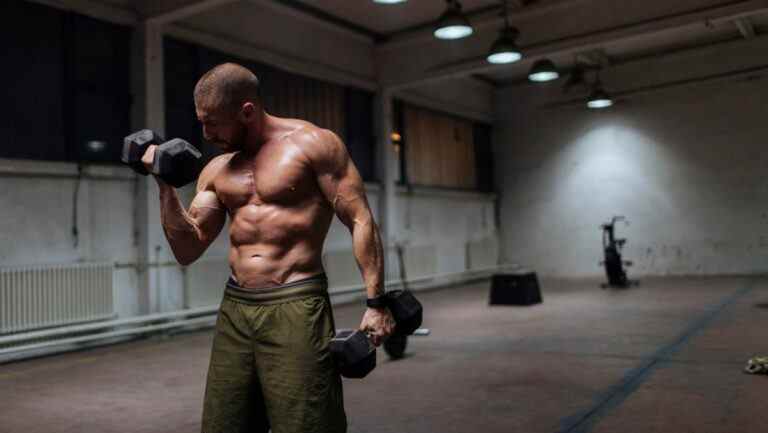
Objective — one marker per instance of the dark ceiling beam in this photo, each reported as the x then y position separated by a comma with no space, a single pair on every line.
177,11
320,14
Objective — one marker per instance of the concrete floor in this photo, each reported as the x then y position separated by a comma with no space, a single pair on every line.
663,357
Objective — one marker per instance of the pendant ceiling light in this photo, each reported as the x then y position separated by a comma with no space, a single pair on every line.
453,24
599,98
504,49
543,71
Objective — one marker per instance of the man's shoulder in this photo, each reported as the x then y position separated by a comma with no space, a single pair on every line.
315,142
212,169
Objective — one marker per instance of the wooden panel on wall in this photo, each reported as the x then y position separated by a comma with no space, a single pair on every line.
439,149
307,99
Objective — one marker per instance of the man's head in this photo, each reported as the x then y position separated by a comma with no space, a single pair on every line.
228,105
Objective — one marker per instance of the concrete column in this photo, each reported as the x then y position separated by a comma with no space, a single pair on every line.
387,173
148,112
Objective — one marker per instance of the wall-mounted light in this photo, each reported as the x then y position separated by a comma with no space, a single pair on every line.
95,146
542,71
389,2
453,24
504,49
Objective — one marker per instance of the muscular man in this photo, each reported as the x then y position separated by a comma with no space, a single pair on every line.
280,181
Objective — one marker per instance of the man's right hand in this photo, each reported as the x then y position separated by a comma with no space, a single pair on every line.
149,157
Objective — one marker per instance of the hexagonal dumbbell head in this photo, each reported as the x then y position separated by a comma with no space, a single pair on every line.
177,162
406,310
353,353
134,147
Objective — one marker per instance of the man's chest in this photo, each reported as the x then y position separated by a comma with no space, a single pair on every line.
281,176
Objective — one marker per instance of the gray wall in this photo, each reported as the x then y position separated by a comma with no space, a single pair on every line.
686,165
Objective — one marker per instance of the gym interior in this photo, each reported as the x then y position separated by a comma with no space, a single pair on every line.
574,190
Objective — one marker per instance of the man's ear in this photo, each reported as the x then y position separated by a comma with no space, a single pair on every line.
247,112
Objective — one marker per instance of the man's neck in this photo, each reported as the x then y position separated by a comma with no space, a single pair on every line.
259,134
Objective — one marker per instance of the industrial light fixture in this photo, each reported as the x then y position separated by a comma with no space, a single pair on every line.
389,2
504,49
453,24
542,71
95,146
599,98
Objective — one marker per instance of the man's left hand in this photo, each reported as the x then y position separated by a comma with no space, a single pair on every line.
378,324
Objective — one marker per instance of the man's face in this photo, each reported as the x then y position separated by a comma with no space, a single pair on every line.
222,129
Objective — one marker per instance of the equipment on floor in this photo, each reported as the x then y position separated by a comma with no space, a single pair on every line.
613,262
353,351
517,288
757,365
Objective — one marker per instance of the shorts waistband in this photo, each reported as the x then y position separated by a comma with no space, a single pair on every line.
316,285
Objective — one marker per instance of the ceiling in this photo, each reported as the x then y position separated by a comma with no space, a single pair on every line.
385,20
406,28
542,22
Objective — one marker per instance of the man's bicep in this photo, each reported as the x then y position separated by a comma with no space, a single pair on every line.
347,196
339,179
208,213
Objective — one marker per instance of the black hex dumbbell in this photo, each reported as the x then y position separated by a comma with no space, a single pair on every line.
354,353
406,310
176,162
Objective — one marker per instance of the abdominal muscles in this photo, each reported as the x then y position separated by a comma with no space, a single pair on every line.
273,245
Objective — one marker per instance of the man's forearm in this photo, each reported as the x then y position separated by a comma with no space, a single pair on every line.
366,244
180,230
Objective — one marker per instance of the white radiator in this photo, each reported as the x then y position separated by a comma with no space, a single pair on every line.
34,297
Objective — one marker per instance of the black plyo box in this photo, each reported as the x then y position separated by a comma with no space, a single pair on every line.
515,289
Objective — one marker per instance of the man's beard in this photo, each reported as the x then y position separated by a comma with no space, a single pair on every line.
235,144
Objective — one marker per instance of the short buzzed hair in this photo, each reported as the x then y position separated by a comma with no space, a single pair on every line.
227,87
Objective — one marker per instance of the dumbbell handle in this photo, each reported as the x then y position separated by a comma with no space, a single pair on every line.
421,332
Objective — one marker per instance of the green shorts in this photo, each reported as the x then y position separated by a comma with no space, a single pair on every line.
271,365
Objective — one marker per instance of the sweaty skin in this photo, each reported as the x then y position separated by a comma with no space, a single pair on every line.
281,190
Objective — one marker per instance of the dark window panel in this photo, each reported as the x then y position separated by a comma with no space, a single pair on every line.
360,137
32,124
71,84
186,62
484,157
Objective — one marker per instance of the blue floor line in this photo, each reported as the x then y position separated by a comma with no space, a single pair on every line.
584,421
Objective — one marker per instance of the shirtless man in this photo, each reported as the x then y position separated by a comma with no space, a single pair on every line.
280,181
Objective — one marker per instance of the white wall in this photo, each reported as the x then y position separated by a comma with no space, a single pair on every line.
36,223
686,166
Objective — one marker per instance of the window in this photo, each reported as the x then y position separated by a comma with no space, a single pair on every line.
66,77
346,111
